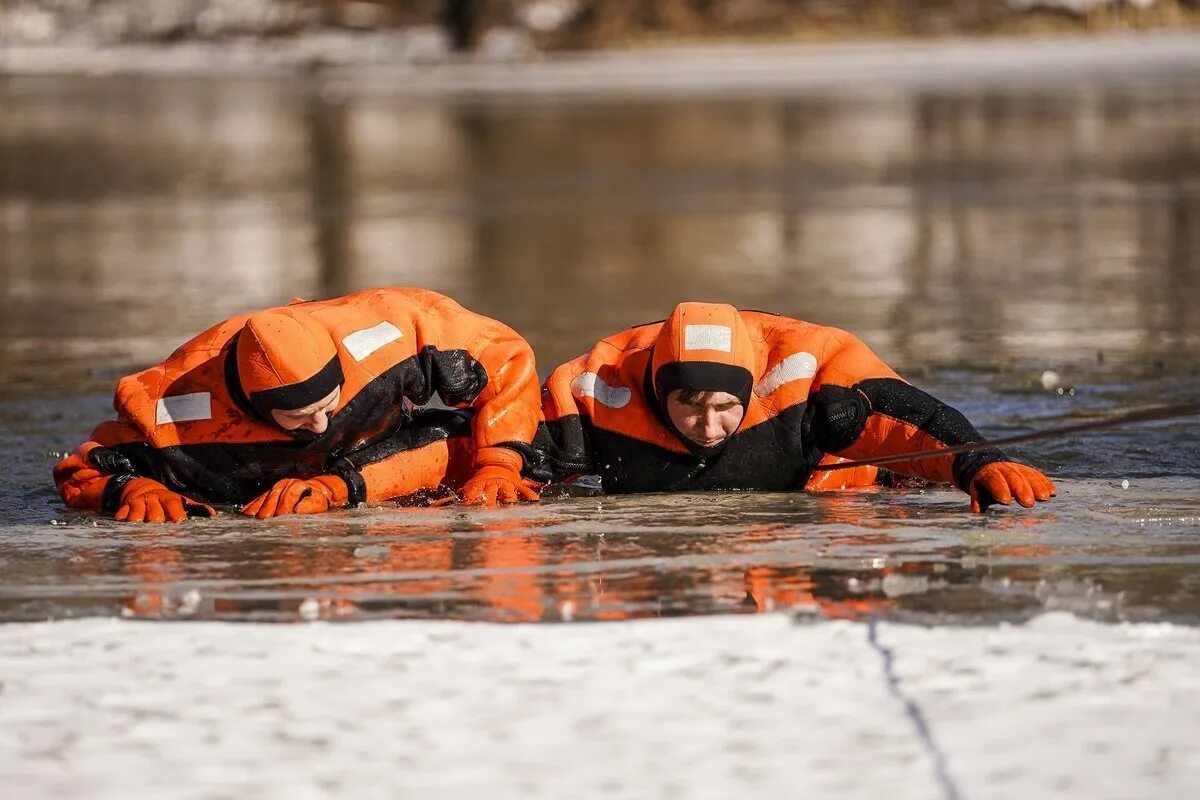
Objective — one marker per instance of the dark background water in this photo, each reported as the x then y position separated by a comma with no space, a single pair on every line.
976,239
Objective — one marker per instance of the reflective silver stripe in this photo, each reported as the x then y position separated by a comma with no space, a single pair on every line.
589,384
361,344
793,368
708,337
183,408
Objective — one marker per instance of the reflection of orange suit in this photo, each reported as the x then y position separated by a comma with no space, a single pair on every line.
807,392
190,424
773,588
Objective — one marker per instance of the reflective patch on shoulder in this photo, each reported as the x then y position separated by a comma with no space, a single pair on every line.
183,408
361,344
793,368
708,337
589,384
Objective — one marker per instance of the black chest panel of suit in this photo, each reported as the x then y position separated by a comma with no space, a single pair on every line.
770,456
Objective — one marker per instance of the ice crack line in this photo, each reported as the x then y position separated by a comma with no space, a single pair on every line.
914,713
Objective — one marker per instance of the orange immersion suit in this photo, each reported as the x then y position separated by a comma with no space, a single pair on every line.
811,395
201,421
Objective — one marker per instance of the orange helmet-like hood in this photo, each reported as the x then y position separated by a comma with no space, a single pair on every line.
702,347
285,360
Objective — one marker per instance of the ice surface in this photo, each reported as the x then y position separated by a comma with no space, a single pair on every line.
702,707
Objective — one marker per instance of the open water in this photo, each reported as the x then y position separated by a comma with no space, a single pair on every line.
1031,255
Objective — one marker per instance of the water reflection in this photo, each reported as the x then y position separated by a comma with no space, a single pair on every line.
1044,225
847,555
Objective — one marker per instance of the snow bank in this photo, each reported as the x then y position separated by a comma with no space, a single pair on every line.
700,707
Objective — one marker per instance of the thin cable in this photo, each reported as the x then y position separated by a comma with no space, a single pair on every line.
1131,418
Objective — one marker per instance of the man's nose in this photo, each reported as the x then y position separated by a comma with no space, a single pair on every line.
712,425
318,422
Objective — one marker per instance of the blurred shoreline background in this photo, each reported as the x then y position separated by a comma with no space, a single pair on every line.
322,33
1029,199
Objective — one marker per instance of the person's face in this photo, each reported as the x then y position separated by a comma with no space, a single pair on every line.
313,417
708,418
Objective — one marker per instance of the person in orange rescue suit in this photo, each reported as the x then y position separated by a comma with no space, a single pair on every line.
313,406
717,398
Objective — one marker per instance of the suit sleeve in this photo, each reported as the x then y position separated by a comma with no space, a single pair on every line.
418,456
564,443
860,409
91,478
477,362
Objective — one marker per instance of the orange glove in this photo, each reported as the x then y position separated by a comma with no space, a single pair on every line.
497,479
1001,481
146,500
296,496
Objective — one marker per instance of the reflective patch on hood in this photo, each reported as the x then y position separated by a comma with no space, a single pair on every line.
708,337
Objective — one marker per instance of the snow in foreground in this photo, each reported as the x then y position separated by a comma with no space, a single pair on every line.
702,707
